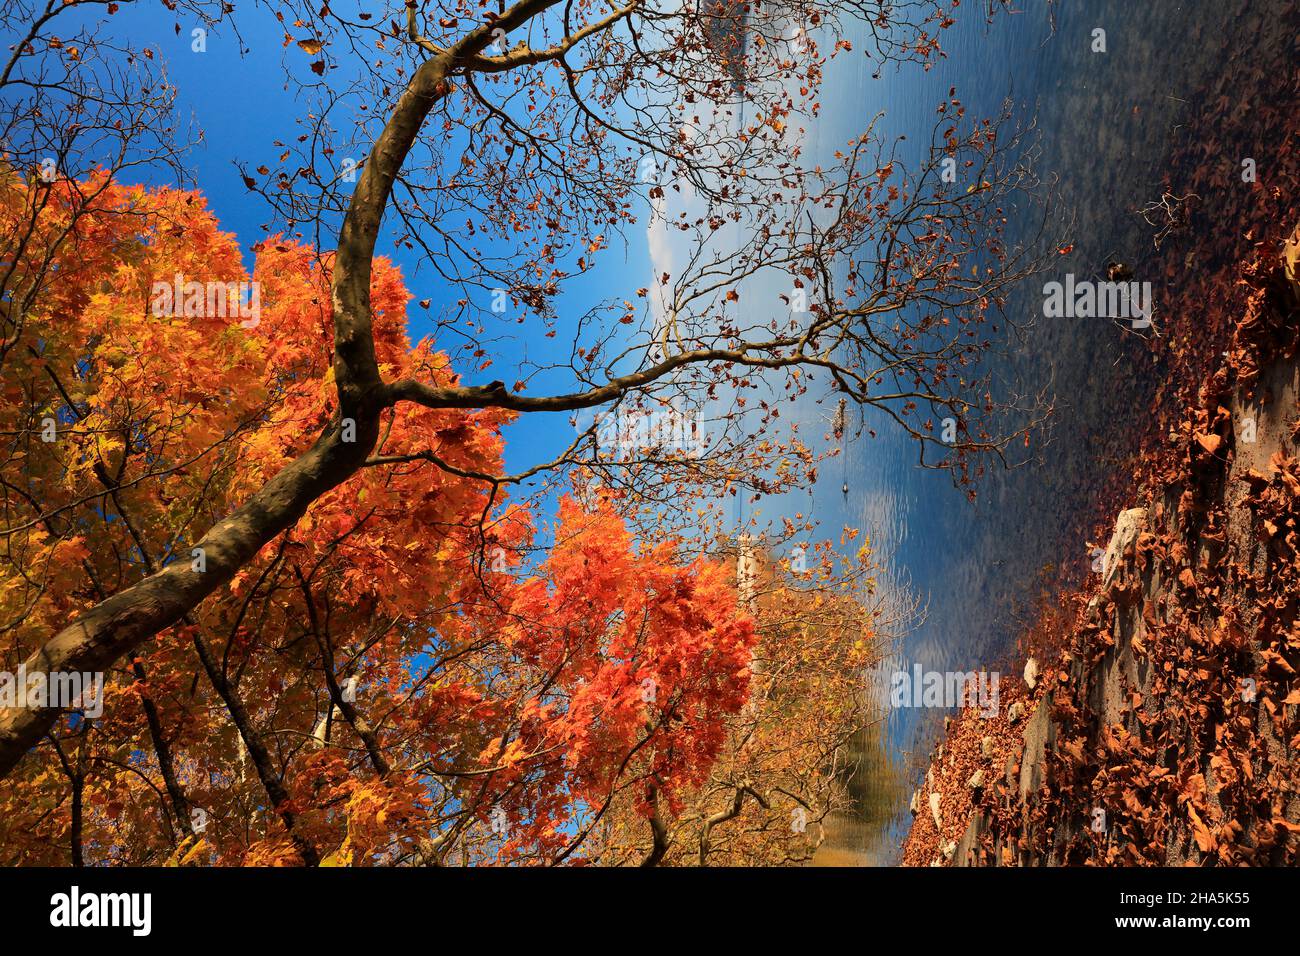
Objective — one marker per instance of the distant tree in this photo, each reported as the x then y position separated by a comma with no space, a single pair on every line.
785,772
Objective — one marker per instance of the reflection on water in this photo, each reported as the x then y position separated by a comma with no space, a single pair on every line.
879,783
1108,124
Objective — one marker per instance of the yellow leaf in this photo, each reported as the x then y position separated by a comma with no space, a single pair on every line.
200,845
176,859
340,857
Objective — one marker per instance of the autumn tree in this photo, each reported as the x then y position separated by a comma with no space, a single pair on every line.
368,682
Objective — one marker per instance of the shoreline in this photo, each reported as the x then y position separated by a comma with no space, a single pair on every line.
1149,720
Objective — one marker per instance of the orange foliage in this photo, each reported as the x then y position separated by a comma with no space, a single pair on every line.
421,688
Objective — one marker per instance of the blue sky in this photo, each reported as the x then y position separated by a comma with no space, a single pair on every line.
234,92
